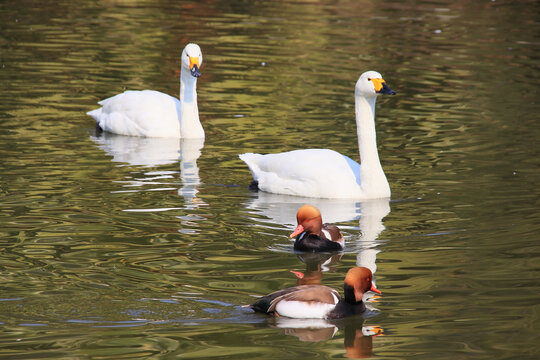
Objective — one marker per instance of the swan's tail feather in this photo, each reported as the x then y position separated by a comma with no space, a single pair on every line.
95,114
251,160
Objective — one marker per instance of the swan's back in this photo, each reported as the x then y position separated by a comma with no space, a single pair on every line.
320,173
139,113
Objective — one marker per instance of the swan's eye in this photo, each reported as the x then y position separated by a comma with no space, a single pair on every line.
368,79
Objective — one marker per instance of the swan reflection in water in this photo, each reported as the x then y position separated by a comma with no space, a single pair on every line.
190,151
358,339
152,152
138,151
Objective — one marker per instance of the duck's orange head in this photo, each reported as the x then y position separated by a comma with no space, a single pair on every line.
357,282
309,219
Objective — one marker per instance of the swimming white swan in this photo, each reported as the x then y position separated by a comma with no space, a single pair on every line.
155,114
324,173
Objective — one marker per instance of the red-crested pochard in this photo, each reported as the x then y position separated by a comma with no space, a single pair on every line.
319,301
312,235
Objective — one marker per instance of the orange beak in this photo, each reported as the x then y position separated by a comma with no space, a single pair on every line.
378,84
194,66
193,61
374,289
377,330
299,230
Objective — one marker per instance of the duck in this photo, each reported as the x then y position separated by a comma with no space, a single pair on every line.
319,301
314,236
325,173
150,113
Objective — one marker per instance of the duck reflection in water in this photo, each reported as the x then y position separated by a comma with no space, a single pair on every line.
152,152
316,264
358,339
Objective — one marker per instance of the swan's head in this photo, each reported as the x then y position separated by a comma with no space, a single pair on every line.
192,59
371,83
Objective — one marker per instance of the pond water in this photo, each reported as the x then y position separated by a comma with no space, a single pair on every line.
115,247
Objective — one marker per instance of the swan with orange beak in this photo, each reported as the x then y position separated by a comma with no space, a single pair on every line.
151,113
325,173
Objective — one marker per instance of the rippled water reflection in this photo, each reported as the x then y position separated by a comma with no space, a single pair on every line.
115,247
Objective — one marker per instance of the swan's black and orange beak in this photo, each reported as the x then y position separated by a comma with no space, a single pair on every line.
381,87
194,66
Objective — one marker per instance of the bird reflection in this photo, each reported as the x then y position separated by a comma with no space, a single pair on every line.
358,339
316,264
371,225
281,209
190,150
152,152
138,151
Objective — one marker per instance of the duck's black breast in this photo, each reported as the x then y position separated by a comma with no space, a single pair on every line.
344,309
315,243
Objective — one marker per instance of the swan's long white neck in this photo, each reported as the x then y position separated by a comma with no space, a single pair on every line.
373,180
190,125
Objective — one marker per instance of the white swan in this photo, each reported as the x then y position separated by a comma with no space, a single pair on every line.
324,173
155,114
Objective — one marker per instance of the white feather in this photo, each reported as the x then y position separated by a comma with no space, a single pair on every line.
305,310
152,113
327,234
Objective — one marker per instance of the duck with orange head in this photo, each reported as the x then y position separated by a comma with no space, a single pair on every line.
319,301
314,236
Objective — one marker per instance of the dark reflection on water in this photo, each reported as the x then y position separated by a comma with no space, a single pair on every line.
116,247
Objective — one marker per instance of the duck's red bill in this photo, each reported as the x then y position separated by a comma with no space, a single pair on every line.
374,289
299,230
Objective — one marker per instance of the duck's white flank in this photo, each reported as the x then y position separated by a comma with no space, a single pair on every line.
305,309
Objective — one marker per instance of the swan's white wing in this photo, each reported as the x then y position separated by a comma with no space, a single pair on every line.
312,173
139,113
